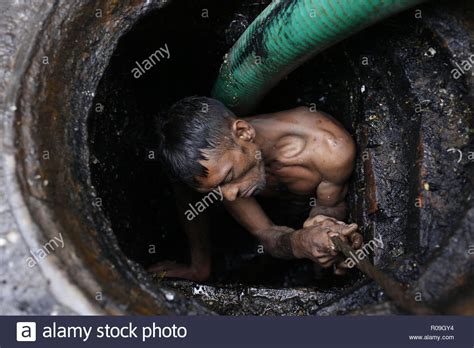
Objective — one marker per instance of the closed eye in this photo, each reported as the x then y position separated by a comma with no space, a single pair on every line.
228,178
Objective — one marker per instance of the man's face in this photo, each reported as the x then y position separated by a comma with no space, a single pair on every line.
238,170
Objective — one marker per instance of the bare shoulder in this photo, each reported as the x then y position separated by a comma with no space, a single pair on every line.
333,147
320,141
336,158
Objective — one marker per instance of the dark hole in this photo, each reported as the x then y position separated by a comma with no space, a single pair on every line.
134,189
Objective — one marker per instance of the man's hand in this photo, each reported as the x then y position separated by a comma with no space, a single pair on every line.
355,238
313,241
171,269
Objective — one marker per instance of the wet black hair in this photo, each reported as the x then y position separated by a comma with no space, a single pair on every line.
191,125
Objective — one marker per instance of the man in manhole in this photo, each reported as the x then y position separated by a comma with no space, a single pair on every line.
291,154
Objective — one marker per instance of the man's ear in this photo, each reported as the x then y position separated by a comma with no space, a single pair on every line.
243,130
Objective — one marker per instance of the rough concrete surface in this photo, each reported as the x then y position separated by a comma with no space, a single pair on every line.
23,290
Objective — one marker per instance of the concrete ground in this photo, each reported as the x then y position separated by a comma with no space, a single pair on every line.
23,290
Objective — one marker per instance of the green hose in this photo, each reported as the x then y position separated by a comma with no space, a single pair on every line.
286,34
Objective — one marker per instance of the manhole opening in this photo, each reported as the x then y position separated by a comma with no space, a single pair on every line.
375,102
134,190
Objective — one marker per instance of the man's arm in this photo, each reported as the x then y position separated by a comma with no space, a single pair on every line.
197,232
332,190
330,200
283,242
250,215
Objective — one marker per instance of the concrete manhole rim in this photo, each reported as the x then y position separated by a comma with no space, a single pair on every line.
59,283
62,285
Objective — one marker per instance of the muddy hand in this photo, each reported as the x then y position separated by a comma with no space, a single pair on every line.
313,242
348,233
344,231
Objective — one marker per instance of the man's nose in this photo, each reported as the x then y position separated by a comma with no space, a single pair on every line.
230,192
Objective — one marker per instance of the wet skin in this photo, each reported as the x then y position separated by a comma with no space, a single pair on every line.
293,154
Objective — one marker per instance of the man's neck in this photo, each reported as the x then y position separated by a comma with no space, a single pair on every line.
266,137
